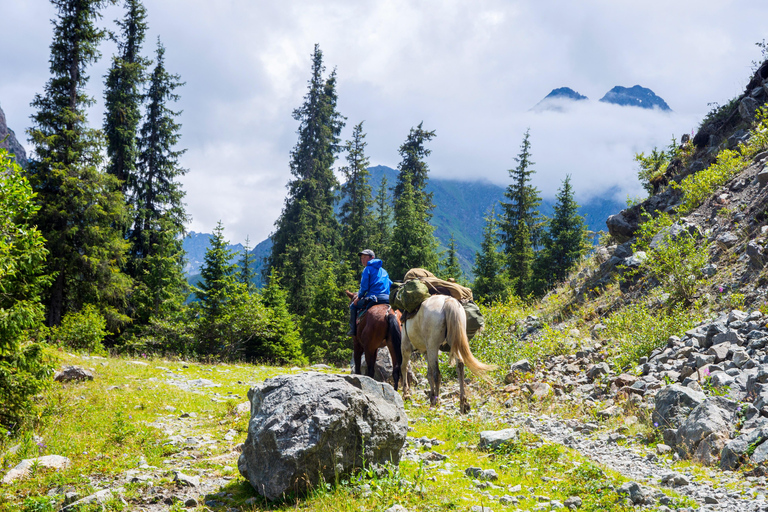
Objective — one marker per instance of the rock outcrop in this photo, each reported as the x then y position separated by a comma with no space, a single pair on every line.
314,427
8,141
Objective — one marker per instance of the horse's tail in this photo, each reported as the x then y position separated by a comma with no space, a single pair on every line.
456,335
395,336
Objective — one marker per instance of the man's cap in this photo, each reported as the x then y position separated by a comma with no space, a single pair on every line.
367,252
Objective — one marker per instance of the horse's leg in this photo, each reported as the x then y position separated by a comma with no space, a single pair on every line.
463,402
358,353
406,349
433,373
370,358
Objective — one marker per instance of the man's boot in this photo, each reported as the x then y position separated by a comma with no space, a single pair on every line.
352,322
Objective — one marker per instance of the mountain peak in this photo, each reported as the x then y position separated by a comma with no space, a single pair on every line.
554,100
636,96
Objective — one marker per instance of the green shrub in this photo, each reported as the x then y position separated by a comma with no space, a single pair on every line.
82,330
697,187
677,265
24,371
638,330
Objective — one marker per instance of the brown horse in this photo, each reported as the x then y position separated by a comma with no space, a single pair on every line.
379,326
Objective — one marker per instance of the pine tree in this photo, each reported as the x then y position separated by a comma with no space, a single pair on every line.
80,206
282,342
521,223
217,274
307,232
564,243
246,273
381,237
161,287
413,154
156,194
356,222
450,268
325,325
123,96
491,282
413,239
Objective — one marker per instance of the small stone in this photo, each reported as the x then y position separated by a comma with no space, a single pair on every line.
186,480
190,502
573,502
663,449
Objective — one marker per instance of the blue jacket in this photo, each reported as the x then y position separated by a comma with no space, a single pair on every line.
375,280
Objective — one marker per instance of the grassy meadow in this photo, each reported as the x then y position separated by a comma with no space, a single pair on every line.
141,420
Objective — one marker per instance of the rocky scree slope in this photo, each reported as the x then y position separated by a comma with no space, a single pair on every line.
706,391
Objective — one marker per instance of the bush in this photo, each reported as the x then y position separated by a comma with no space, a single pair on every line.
24,371
82,330
639,330
697,187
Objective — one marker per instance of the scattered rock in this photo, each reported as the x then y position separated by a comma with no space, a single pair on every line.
73,373
492,439
21,470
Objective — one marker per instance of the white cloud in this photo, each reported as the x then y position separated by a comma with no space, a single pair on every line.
470,70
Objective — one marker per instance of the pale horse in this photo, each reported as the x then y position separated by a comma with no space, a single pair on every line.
441,320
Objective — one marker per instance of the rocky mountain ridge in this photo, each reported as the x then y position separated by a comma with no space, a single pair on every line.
9,141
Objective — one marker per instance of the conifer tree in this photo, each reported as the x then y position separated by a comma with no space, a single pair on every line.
450,268
156,194
564,242
217,274
491,281
161,287
307,232
282,342
123,96
80,205
246,273
382,222
413,239
414,166
325,325
521,223
356,222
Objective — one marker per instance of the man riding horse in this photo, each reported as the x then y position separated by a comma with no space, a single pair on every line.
374,287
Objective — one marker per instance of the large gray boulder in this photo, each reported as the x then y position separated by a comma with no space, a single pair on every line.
715,415
314,426
673,404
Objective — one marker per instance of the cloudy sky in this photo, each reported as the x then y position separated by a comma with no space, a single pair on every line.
470,70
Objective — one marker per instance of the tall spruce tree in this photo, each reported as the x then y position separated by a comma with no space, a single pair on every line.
307,231
217,274
491,281
521,222
81,206
246,259
413,241
356,221
381,237
156,192
123,95
564,242
450,268
414,166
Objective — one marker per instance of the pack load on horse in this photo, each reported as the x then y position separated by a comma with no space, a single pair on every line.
372,321
438,320
418,284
